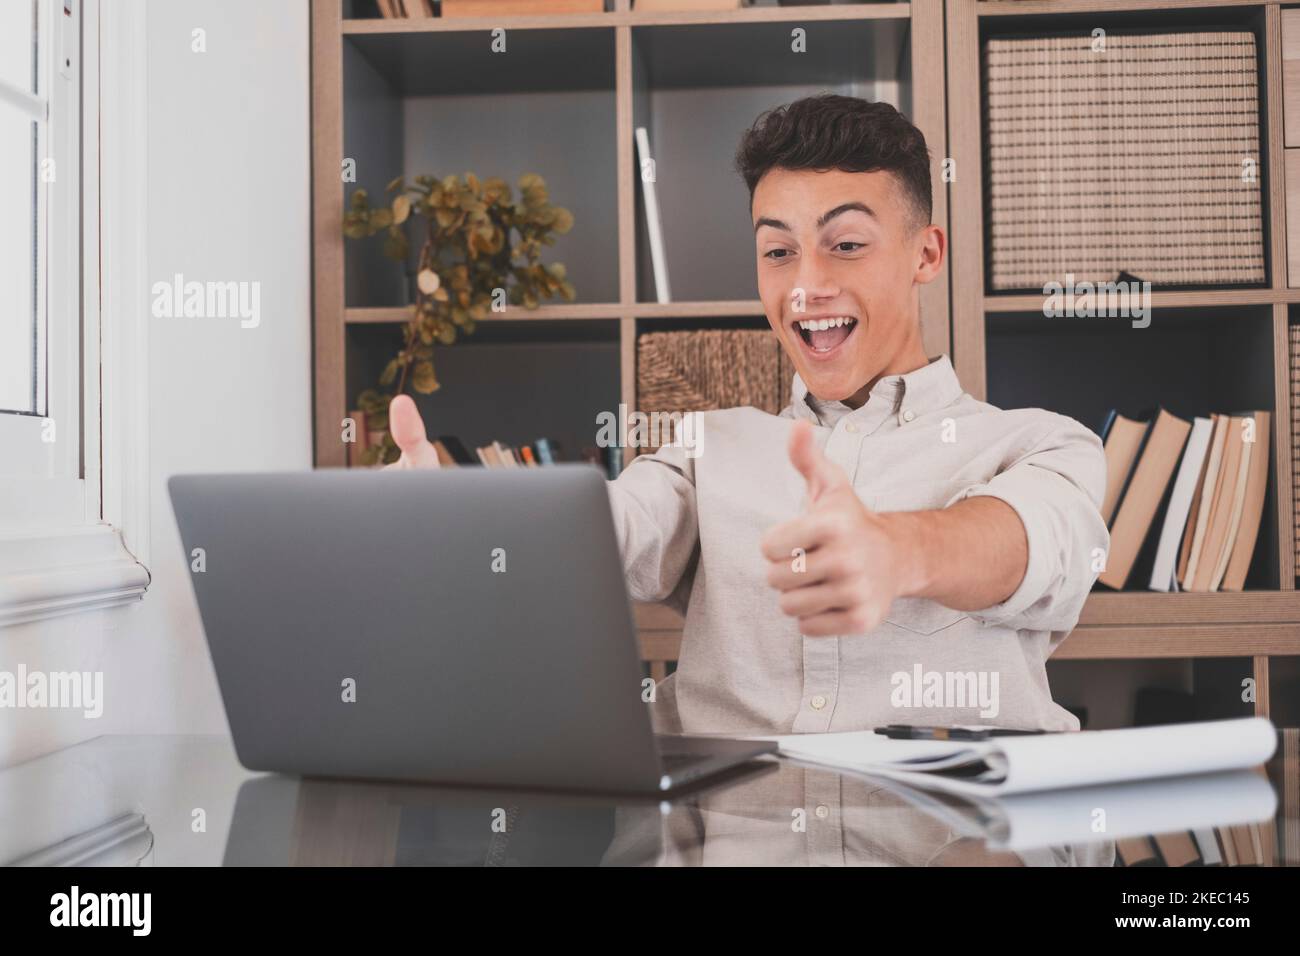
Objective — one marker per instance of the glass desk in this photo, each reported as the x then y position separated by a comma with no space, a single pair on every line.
184,800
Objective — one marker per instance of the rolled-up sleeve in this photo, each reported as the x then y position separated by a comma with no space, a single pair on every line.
654,507
1056,488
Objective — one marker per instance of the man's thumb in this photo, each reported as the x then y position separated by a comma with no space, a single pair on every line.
818,471
407,428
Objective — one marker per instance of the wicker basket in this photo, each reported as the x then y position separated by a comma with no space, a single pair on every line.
711,369
1142,159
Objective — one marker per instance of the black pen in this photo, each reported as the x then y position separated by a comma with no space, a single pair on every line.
908,732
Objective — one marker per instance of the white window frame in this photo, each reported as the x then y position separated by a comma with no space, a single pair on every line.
77,538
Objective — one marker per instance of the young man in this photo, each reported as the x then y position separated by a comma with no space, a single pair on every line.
888,549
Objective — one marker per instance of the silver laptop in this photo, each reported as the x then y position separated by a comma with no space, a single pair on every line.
460,626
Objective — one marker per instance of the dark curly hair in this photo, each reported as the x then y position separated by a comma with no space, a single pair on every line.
829,131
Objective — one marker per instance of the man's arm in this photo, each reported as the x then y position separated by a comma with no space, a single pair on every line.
655,518
968,556
1026,557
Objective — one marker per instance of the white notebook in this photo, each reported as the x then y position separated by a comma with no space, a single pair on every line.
1025,764
1109,811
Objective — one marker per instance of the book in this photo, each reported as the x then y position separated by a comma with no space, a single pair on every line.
1248,452
458,450
1199,518
1207,844
1243,548
506,454
445,459
1141,498
1216,528
654,225
1043,762
1122,439
1178,849
546,453
1136,851
529,458
1180,503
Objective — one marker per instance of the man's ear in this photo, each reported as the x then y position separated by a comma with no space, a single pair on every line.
933,247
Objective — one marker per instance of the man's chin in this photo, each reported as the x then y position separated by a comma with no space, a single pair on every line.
829,389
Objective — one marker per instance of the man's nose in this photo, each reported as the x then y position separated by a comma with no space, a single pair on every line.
813,282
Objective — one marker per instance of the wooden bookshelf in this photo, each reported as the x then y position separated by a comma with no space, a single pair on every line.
992,331
395,93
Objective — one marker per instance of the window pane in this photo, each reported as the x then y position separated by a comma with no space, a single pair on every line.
17,43
18,314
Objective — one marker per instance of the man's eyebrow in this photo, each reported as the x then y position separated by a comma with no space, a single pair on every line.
843,208
774,223
825,218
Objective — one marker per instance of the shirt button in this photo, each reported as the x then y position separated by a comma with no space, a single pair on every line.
908,415
822,811
818,702
851,428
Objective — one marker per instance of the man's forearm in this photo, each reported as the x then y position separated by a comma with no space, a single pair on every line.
969,556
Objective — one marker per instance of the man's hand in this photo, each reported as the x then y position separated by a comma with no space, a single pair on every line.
407,429
838,567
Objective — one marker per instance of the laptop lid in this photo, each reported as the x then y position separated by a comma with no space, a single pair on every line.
463,625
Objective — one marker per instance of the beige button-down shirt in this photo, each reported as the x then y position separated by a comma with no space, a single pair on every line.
689,522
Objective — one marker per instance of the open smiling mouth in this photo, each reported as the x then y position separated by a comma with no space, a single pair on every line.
824,334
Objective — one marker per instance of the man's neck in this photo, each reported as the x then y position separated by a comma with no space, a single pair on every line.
906,362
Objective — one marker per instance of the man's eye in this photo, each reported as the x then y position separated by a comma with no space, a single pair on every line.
776,253
847,246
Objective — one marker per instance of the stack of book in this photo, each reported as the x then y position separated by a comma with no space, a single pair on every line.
1250,844
1210,474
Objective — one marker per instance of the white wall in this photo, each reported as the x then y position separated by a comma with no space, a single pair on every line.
229,200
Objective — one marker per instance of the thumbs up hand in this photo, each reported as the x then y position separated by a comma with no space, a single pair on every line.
407,429
838,567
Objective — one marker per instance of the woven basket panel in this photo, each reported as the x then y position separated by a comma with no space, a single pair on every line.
696,371
1128,160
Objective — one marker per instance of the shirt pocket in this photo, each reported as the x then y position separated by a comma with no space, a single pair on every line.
912,614
922,616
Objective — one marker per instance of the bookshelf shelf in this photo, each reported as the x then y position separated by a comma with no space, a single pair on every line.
1153,642
1200,298
571,311
631,18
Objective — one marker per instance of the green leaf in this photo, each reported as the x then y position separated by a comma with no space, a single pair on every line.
389,374
401,209
423,380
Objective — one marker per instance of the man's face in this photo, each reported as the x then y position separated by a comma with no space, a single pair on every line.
842,250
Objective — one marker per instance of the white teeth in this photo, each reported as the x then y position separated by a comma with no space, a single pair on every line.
821,325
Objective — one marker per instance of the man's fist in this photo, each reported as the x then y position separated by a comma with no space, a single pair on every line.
837,566
407,428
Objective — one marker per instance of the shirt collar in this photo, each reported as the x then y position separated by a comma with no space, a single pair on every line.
930,387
